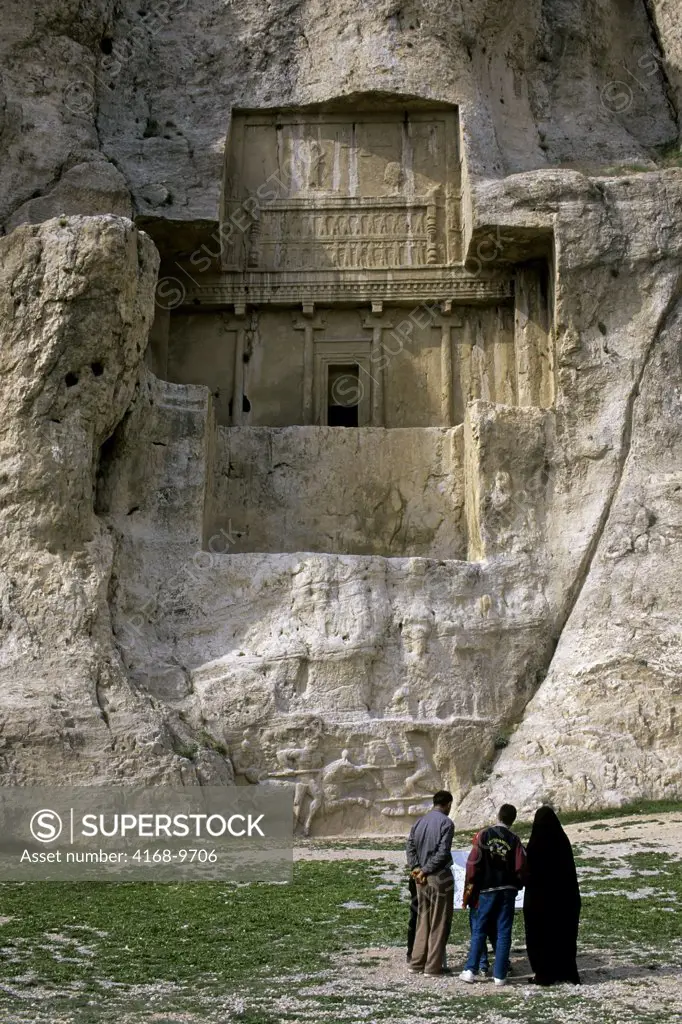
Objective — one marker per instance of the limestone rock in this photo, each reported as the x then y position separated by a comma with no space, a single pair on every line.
604,727
202,578
668,31
49,57
537,85
89,188
320,489
77,301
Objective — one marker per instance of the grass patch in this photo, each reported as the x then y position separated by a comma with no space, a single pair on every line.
214,953
139,933
669,155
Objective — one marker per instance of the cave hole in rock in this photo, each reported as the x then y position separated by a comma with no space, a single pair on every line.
71,379
97,369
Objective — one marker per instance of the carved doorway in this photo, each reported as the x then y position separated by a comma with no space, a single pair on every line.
343,393
342,383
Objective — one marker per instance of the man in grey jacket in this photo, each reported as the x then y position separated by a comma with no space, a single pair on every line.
429,859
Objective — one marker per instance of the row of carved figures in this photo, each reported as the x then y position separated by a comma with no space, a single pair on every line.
341,254
285,224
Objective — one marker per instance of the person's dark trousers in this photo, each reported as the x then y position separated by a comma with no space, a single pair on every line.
484,963
495,910
412,924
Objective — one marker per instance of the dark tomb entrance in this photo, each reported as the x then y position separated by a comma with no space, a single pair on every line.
344,392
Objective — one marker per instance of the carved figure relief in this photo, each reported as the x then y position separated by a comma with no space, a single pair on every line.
354,178
318,165
392,776
393,178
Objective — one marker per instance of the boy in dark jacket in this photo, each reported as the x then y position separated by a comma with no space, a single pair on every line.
496,871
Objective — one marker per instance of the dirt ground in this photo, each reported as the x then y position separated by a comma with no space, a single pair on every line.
611,988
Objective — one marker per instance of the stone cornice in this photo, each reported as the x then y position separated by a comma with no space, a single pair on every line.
402,286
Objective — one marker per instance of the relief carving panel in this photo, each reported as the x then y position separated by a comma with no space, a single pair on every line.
375,191
393,776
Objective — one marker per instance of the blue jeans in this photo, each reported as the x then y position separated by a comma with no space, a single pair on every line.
484,963
495,912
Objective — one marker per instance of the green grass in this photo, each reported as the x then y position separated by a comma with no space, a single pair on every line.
214,943
639,926
624,811
669,155
665,157
187,931
624,170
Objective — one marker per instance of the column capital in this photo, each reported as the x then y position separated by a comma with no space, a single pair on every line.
316,323
370,321
447,320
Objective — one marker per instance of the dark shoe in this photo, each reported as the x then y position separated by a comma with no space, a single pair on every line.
433,974
446,970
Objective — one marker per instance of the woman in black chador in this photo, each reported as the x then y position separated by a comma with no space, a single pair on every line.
551,906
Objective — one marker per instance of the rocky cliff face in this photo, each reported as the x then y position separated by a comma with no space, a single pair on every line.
602,727
77,302
134,644
99,101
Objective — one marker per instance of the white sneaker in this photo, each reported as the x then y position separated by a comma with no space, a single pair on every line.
468,976
500,981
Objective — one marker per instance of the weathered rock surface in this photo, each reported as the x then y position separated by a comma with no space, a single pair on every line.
77,302
151,88
146,632
535,84
605,724
52,159
287,661
373,491
668,30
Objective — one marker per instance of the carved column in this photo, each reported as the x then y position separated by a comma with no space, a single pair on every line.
534,370
254,242
446,373
446,323
238,382
377,378
308,323
432,233
377,323
308,371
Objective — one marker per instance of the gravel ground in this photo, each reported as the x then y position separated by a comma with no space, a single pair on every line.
627,992
373,985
